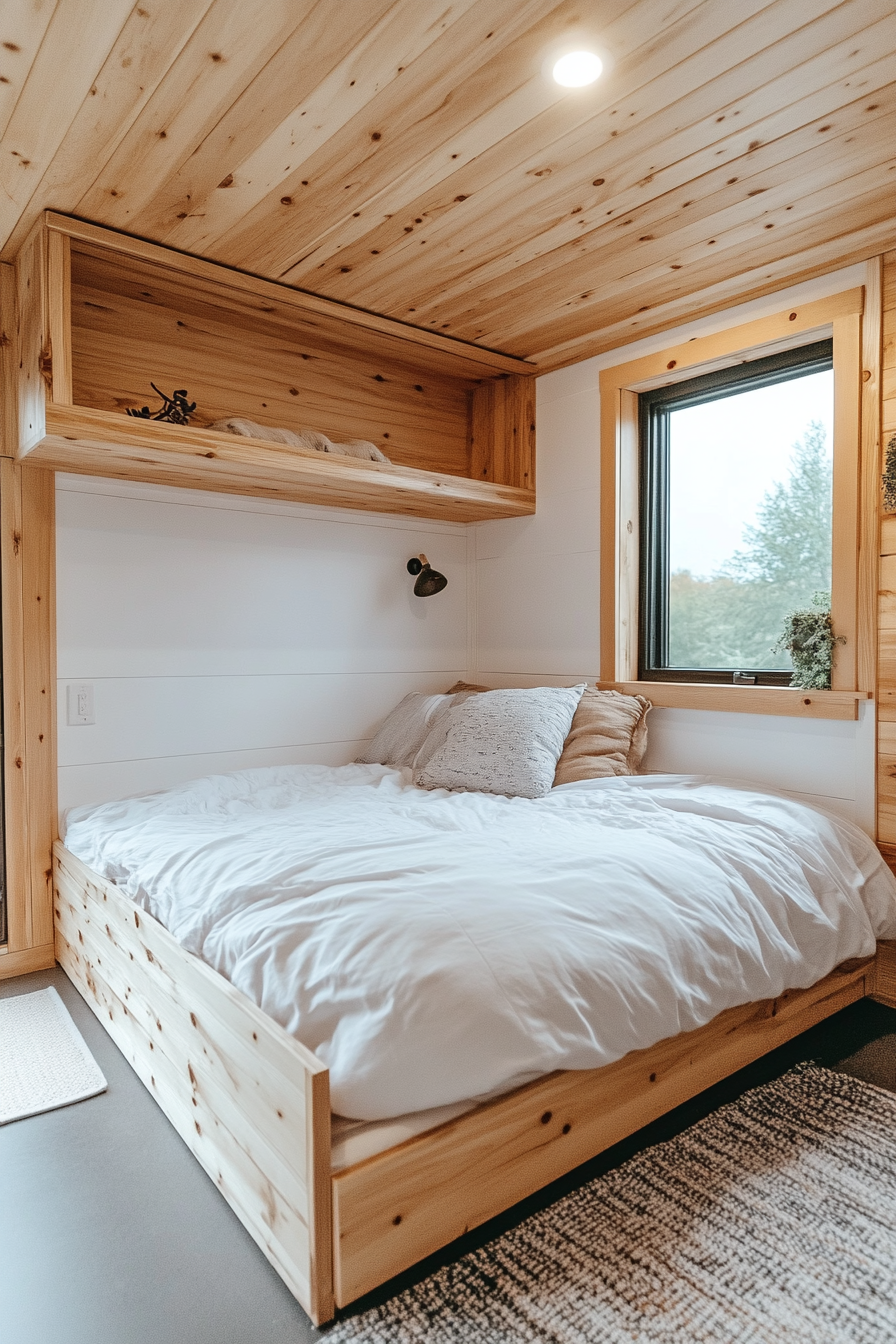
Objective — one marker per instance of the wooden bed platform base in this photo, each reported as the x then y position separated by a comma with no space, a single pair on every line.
253,1104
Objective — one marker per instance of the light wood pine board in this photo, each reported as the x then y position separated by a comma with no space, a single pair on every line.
100,443
412,159
885,974
567,194
28,574
886,605
393,1209
743,228
691,44
576,208
120,346
250,1102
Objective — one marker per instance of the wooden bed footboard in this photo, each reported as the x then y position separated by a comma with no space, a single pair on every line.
251,1103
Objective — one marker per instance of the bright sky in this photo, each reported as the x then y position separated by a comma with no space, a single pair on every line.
726,454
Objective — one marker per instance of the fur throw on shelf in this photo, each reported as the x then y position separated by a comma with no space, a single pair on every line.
303,438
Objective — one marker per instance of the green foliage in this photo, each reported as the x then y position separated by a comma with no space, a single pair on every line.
808,636
889,477
733,620
791,544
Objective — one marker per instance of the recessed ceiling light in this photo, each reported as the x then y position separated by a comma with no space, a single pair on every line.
577,68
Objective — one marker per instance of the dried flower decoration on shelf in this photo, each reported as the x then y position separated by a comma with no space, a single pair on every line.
888,480
176,410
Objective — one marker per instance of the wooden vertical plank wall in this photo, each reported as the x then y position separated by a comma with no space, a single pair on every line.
27,592
502,432
886,777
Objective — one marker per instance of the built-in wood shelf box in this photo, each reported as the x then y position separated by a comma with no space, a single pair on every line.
101,315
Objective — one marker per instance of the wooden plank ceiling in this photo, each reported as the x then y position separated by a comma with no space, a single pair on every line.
410,156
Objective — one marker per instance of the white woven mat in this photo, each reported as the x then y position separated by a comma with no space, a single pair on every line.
44,1061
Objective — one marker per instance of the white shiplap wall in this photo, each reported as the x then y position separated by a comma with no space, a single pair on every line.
536,597
222,632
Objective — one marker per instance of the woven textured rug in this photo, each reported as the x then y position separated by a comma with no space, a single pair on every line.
44,1060
772,1221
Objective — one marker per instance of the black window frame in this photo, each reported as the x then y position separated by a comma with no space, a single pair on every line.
654,408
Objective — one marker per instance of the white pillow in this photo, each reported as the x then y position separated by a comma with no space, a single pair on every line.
401,733
499,742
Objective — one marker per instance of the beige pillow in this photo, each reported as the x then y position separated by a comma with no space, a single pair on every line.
608,737
466,687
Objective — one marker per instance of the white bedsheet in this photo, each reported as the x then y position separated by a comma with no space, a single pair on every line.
433,947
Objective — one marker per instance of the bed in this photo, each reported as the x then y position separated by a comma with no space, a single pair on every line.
506,985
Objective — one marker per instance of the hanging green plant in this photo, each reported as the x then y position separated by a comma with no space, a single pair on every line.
808,636
889,477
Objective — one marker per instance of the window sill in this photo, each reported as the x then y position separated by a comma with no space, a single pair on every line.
782,700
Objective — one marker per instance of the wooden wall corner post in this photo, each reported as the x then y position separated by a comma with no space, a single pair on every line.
502,432
847,536
9,370
28,579
28,571
32,339
43,331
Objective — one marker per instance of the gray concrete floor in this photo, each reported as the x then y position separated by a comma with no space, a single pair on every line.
111,1233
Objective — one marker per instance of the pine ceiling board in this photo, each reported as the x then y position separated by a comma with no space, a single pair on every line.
177,209
837,249
436,144
22,28
77,41
855,137
394,72
506,202
402,121
508,115
351,181
744,249
742,234
147,46
631,178
226,51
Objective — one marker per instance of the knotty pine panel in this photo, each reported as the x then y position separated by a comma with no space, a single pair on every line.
119,347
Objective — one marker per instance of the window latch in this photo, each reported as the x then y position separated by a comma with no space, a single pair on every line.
744,679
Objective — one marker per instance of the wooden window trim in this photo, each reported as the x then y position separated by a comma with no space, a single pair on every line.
855,518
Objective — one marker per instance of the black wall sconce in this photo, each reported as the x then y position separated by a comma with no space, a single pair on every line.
429,580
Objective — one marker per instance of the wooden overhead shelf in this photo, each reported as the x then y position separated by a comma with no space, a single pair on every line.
102,315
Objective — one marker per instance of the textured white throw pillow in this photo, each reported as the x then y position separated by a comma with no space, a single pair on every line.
402,732
499,742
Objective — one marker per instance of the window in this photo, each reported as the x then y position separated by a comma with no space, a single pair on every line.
654,526
735,516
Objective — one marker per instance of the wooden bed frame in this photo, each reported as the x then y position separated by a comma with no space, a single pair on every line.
253,1104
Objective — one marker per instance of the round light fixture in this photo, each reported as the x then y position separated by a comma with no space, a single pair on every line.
577,68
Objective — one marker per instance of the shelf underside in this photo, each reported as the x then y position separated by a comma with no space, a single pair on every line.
100,443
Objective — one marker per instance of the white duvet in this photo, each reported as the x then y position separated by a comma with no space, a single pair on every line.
432,947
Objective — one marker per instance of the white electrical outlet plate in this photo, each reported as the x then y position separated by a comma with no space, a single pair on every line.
80,703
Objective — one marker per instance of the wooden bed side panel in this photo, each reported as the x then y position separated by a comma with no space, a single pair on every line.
398,1207
250,1102
884,988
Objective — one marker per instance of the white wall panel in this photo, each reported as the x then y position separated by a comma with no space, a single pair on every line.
151,588
80,784
140,717
221,632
